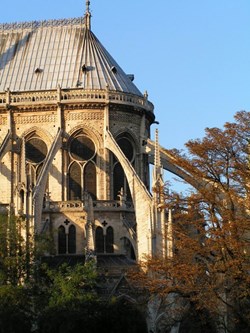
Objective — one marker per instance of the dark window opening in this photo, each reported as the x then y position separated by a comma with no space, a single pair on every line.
67,241
104,243
119,182
61,240
21,200
90,179
127,148
118,175
82,148
72,239
36,150
82,172
75,182
110,240
99,240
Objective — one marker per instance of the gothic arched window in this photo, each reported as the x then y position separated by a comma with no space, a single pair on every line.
99,240
35,153
72,239
90,179
104,243
36,150
82,148
67,240
62,242
118,179
109,240
75,181
22,200
127,147
82,168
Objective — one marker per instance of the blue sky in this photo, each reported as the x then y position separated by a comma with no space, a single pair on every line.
192,56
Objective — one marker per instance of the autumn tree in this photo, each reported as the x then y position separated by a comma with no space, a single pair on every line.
209,269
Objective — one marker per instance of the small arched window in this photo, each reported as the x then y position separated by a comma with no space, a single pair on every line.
62,242
104,243
99,240
21,200
72,239
118,179
109,240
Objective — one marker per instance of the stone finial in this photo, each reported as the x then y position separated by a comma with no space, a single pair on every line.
87,5
87,16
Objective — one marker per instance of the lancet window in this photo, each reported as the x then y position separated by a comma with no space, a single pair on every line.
67,239
104,242
82,167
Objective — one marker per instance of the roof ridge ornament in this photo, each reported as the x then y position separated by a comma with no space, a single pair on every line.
87,16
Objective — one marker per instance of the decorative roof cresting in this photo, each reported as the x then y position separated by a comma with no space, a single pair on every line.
37,56
87,16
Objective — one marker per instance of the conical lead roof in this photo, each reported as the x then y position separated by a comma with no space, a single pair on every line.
43,55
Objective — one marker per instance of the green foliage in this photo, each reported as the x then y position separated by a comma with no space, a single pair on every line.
74,316
71,284
73,305
14,256
93,317
15,314
44,244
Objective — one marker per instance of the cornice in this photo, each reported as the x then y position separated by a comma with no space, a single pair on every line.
72,99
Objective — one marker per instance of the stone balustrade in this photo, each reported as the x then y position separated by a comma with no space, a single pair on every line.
69,96
78,205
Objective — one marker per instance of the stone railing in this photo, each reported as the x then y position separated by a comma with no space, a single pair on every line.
111,204
77,205
69,96
59,206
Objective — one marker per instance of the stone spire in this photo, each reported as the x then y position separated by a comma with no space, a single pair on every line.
170,235
157,173
87,16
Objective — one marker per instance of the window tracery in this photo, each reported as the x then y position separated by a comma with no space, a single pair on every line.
67,239
104,242
82,167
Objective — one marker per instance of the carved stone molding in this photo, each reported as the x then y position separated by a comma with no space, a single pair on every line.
84,116
44,23
48,118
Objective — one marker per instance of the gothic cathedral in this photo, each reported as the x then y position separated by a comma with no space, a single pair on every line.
73,136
